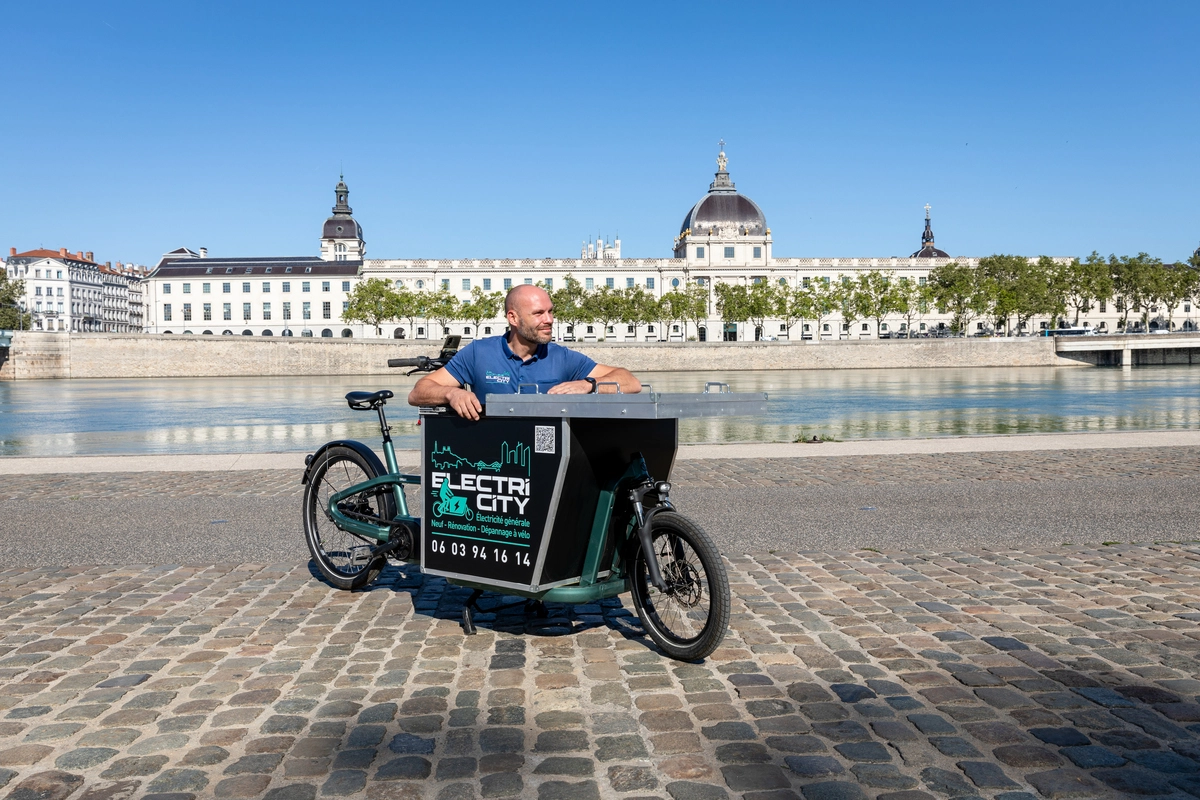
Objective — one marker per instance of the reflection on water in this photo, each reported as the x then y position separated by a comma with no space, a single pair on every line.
229,415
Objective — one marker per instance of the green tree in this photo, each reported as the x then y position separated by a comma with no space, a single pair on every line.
697,307
672,307
604,306
760,305
825,299
955,289
639,307
793,304
1087,283
733,302
482,306
568,303
1174,283
914,298
875,295
409,305
1133,283
372,302
442,307
11,292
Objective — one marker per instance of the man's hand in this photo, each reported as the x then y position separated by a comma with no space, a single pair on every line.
443,389
571,387
464,403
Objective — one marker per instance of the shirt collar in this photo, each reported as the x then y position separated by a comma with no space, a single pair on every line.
538,354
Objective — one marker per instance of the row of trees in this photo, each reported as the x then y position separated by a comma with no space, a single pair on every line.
377,302
1006,290
11,292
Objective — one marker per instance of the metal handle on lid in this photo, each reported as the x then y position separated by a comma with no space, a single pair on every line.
521,386
608,383
716,383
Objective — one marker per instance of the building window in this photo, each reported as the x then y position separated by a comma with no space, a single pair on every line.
187,288
649,283
674,283
446,284
225,288
630,329
266,287
166,286
245,311
758,252
488,329
207,311
729,252
324,286
629,283
266,310
166,312
609,282
325,311
345,286
305,286
287,310
699,252
345,307
528,281
1187,307
206,288
466,284
246,287
228,311
549,284
1103,306
487,284
287,287
187,312
306,311
921,281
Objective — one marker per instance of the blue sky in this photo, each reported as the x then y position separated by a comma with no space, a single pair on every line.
517,130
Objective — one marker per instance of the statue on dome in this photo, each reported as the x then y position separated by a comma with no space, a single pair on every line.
722,161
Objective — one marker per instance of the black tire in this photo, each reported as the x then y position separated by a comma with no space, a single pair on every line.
338,553
689,621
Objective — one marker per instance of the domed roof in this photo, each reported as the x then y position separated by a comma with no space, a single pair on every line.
337,227
342,224
723,211
927,249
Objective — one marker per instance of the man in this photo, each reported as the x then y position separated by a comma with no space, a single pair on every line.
525,355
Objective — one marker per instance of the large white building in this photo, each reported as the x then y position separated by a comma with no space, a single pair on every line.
724,238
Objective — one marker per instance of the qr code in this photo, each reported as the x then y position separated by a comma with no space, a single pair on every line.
543,439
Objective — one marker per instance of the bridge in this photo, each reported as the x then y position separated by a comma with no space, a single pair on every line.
1129,349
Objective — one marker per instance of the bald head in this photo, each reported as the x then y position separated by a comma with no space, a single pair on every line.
519,297
530,314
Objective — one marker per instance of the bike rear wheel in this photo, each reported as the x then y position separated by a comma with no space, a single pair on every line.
690,619
343,558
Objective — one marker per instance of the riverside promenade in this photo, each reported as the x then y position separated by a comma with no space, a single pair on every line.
911,620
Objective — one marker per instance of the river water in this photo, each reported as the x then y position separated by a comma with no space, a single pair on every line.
262,415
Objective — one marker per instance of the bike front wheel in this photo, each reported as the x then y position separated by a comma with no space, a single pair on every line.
343,558
690,619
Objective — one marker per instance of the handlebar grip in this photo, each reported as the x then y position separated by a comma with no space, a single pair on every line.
407,362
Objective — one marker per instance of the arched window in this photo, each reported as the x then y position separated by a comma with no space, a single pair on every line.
267,332
327,334
347,333
398,333
247,332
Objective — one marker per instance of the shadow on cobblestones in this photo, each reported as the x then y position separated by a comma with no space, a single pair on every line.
897,676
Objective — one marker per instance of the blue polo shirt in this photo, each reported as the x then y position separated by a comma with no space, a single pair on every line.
489,366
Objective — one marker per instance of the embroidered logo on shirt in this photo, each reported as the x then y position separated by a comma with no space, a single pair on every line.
496,377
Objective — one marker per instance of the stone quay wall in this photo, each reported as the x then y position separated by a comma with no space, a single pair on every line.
36,355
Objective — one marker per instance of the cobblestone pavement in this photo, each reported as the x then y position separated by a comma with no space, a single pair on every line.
1038,465
896,676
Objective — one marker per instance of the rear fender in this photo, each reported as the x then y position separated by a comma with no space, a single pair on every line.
357,447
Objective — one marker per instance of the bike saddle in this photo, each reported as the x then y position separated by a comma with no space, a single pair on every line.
365,401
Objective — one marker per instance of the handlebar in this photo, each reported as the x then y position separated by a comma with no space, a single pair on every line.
425,363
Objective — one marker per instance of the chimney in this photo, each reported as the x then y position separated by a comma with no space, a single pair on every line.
204,252
62,251
108,264
88,255
12,251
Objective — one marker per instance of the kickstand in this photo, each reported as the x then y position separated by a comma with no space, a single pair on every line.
467,622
